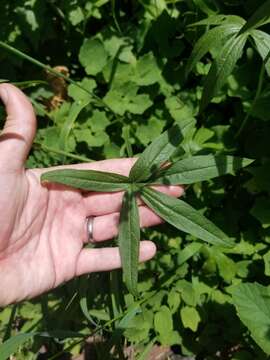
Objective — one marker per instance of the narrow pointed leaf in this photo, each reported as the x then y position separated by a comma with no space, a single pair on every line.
208,41
90,180
181,215
258,18
159,151
262,42
220,20
128,240
200,168
222,67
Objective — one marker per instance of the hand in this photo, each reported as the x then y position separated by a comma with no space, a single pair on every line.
43,229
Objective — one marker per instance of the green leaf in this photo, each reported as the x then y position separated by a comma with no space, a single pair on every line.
74,112
158,152
258,18
93,56
78,94
150,130
181,215
90,180
10,346
220,20
262,42
125,97
189,251
147,71
252,302
261,211
200,168
190,318
163,324
222,67
208,41
128,240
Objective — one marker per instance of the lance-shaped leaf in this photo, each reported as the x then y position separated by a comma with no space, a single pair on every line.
159,151
200,168
90,180
129,239
181,215
210,40
222,67
258,18
262,42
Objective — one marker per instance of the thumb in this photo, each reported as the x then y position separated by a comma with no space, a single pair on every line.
19,130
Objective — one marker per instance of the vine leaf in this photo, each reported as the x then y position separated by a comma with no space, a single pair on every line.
90,180
200,168
181,215
129,239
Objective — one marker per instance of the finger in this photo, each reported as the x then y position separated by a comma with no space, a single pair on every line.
19,130
119,166
93,260
97,204
106,227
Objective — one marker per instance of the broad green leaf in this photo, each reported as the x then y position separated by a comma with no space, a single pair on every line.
222,67
158,152
261,211
93,56
78,94
187,292
128,240
262,42
258,18
208,41
181,215
163,324
90,180
173,300
200,168
252,302
190,318
220,20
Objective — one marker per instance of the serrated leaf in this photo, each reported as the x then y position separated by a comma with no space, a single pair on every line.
158,152
90,180
252,302
93,56
200,168
182,216
222,67
260,17
128,240
190,318
208,41
262,42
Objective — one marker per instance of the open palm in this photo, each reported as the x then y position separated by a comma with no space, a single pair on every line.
43,228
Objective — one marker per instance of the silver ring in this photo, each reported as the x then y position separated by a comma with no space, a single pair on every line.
90,228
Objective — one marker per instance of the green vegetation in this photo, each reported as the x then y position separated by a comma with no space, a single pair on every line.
107,79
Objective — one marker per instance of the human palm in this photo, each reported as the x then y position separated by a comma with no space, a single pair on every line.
43,228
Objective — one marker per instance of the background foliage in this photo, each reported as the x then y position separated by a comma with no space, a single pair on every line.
144,69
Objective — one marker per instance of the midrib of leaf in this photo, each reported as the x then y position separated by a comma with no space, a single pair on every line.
129,239
184,217
215,78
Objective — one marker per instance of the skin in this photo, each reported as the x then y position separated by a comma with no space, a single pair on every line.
43,227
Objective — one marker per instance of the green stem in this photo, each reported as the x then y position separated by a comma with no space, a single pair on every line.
257,95
52,71
10,322
61,152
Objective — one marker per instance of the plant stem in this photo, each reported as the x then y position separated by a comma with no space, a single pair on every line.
52,71
61,152
258,93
